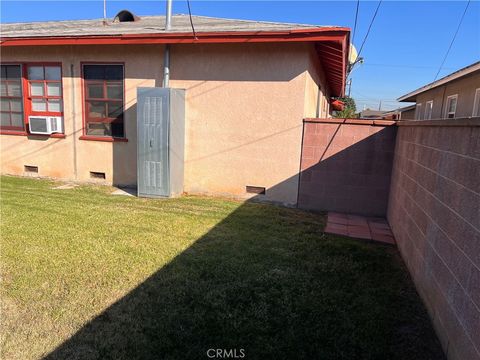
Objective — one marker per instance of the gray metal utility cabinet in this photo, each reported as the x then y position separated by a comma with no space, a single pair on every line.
161,141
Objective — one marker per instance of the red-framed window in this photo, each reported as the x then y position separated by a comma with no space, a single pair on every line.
103,94
11,97
44,82
29,89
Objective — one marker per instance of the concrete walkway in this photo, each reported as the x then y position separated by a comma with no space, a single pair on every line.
362,227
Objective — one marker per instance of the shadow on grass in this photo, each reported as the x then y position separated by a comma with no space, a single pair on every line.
266,280
267,283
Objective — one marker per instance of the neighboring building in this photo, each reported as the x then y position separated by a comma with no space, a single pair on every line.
372,114
454,96
403,113
248,87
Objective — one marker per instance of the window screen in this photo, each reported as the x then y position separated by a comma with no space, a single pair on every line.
103,94
451,106
11,106
45,89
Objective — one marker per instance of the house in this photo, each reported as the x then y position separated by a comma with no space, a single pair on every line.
403,113
372,114
248,87
454,96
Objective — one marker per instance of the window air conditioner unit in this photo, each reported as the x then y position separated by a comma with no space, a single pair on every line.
45,124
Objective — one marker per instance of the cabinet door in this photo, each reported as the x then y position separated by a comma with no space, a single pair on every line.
153,126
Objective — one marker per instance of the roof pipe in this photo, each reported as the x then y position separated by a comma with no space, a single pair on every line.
104,22
168,17
166,55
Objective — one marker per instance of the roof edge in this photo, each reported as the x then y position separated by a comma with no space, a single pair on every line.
338,35
274,35
100,20
411,96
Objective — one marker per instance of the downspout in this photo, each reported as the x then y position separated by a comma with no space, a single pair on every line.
166,57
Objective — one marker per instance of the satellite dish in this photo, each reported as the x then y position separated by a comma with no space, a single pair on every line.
352,54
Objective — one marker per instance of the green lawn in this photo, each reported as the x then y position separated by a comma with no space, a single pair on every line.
88,275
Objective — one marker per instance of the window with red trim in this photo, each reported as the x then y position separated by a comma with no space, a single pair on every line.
45,89
11,106
103,97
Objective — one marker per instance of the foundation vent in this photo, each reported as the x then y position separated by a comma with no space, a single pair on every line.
97,175
255,190
30,169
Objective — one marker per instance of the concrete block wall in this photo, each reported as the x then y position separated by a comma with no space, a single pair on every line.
434,213
346,165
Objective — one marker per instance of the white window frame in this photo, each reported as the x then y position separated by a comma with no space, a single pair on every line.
418,111
426,115
446,115
476,103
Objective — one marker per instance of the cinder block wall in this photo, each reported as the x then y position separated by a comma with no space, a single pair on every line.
346,165
434,213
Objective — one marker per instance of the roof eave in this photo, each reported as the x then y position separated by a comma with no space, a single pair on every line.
408,98
336,35
308,34
457,75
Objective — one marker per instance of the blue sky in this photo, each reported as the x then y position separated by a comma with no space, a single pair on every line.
403,51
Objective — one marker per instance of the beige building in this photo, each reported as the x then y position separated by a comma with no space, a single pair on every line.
454,96
248,86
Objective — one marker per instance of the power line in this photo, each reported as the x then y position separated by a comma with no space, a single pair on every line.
402,66
369,27
191,21
355,26
359,94
453,40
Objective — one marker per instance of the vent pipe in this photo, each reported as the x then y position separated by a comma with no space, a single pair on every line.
104,12
168,17
166,57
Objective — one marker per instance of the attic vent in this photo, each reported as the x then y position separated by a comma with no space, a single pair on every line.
125,16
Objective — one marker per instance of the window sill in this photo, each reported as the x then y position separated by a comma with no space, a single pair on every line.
102,138
13,132
56,136
23,133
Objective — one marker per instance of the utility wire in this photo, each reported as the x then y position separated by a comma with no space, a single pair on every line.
402,66
191,21
369,27
453,40
355,25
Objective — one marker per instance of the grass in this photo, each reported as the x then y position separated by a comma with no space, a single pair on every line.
88,275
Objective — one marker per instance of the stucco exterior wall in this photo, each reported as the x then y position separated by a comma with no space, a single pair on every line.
56,157
463,87
408,115
316,89
244,109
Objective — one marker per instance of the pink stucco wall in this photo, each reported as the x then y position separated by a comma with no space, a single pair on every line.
244,109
